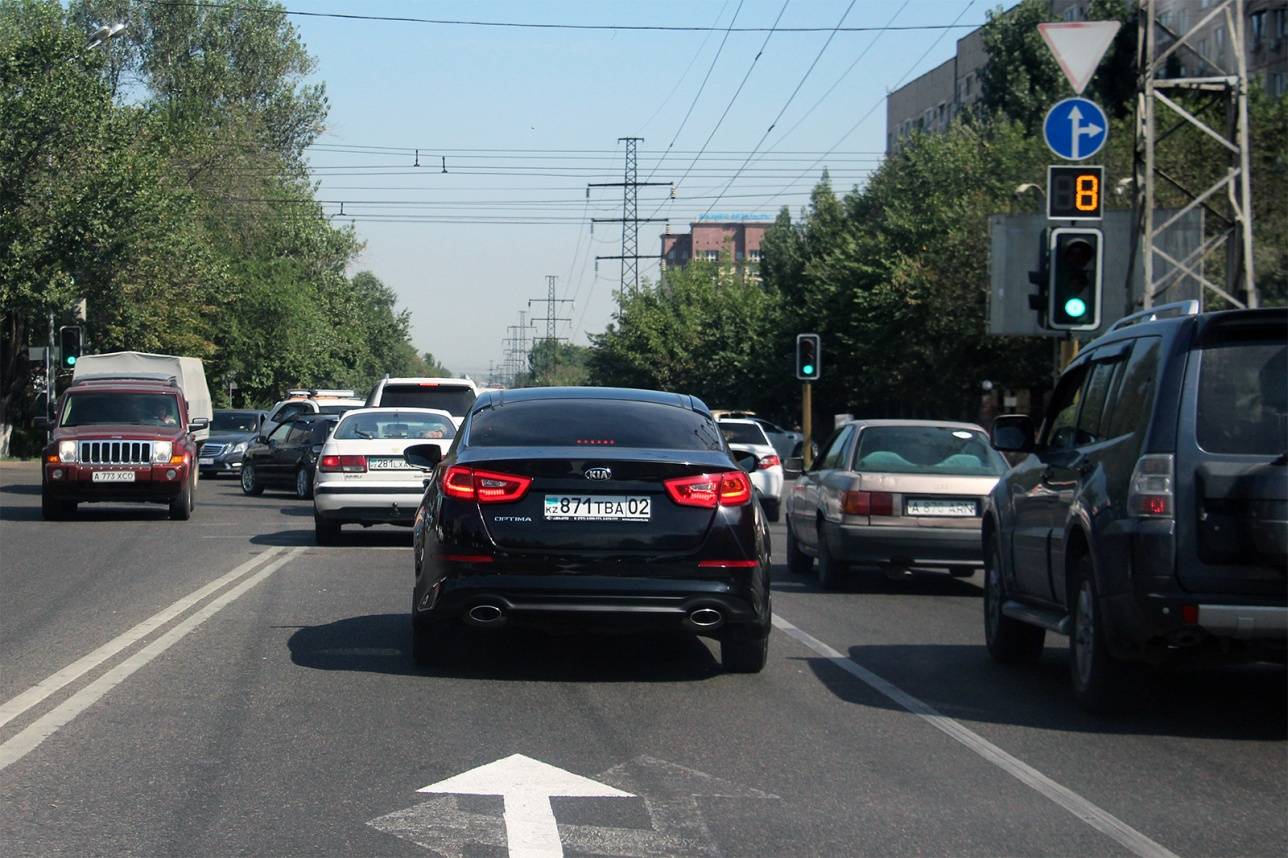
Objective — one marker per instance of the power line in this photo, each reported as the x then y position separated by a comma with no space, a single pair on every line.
537,25
687,68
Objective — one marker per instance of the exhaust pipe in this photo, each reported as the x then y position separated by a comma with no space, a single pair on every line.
484,615
706,618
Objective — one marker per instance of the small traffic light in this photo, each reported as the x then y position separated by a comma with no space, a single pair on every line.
1041,278
69,342
1073,298
809,355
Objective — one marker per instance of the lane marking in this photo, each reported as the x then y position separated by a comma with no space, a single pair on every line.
46,725
14,707
1096,817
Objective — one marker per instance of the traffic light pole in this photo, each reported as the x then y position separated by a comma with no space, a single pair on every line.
807,424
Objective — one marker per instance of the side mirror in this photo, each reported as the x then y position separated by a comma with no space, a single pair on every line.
43,423
746,461
198,423
794,463
423,455
261,439
1013,433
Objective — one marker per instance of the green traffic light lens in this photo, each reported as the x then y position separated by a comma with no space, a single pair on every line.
1075,308
808,369
71,360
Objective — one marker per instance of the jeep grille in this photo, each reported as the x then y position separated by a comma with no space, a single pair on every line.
116,452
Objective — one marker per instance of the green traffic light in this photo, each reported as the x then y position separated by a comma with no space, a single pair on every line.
808,369
71,360
1075,308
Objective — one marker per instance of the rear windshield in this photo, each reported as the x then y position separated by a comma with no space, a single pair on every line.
234,421
743,433
1243,397
136,409
593,423
395,424
336,409
927,450
454,399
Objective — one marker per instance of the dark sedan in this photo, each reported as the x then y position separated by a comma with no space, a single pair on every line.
591,507
287,457
231,432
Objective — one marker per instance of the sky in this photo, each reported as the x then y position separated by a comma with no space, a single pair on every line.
524,119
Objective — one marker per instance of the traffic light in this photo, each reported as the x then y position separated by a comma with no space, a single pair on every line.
808,357
69,343
1073,297
1041,278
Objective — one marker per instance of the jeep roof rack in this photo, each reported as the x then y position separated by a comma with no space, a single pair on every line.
118,377
1162,311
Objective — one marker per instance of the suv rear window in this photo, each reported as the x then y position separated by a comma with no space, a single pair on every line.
743,433
452,398
593,423
395,424
927,450
1243,397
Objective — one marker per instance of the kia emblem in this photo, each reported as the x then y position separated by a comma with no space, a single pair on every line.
599,473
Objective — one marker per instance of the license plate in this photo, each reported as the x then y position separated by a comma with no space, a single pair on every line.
388,463
113,477
205,461
945,508
598,508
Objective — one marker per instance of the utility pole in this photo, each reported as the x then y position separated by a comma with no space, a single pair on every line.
551,301
630,219
1227,203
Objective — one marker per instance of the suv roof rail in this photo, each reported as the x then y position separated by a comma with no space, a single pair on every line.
1176,308
117,377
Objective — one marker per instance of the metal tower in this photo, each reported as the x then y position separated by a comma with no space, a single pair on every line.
1181,81
630,218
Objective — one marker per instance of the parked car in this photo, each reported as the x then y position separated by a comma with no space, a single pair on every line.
747,436
362,475
231,432
787,443
582,506
896,494
1149,519
121,437
312,401
453,395
287,457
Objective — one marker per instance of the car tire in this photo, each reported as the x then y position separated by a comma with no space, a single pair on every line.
830,571
1009,641
798,562
744,651
325,531
771,510
303,485
1099,680
56,510
181,506
250,484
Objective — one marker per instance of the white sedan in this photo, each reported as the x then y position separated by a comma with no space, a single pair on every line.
362,474
748,436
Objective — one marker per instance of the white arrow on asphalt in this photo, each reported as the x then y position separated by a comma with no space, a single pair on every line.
1091,129
526,785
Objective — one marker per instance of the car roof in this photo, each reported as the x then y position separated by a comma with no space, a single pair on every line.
497,398
457,382
742,421
386,409
934,424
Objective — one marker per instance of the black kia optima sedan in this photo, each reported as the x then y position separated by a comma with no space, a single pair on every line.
590,507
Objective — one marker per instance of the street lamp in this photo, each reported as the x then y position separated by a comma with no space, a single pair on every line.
104,34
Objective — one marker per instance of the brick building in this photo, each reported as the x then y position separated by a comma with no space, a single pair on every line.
732,244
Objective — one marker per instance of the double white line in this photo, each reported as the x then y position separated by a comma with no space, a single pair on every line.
243,578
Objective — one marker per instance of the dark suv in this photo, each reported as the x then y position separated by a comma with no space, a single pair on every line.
1150,518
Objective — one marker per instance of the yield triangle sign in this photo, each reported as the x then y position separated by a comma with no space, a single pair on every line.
1079,47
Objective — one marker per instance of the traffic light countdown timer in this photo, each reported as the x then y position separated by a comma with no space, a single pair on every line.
1075,193
69,345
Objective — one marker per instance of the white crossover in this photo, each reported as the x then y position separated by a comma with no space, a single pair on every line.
748,436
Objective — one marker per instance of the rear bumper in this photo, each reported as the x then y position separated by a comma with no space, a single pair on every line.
350,503
1150,626
906,546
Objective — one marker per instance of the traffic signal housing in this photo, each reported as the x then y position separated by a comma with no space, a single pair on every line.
1073,295
69,345
809,354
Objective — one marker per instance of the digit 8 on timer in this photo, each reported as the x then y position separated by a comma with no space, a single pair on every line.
1074,193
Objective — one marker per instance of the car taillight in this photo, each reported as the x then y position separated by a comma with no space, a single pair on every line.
867,503
730,488
343,464
769,462
1150,495
484,486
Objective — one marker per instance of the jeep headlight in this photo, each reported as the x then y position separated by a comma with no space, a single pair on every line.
239,447
66,451
161,451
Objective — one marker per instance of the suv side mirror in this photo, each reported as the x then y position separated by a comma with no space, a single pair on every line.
423,455
1013,433
794,463
198,423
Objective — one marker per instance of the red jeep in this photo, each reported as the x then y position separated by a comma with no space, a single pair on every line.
121,440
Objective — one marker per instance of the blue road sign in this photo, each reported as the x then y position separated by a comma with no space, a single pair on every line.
1075,128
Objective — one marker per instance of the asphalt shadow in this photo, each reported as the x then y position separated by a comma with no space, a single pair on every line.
1241,702
381,643
21,489
351,536
921,582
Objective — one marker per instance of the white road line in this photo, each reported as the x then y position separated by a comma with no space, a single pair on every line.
1096,817
11,709
49,723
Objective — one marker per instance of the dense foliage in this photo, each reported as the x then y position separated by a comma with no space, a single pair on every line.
161,178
